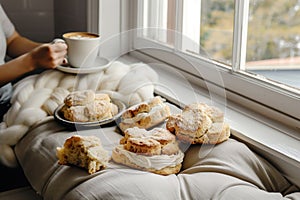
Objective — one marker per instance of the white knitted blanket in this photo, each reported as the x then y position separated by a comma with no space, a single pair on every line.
36,97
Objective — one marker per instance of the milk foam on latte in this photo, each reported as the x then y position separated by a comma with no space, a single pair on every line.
80,35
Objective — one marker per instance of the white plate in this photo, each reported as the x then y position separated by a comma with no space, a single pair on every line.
100,64
95,124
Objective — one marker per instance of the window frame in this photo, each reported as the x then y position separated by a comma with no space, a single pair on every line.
248,122
249,90
268,98
93,7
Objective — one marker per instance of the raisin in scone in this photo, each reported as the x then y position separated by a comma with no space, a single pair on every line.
83,151
88,106
199,123
155,151
145,115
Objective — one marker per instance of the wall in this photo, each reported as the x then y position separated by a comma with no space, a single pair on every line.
70,15
42,20
32,18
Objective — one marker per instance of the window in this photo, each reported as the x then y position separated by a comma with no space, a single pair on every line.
273,42
254,44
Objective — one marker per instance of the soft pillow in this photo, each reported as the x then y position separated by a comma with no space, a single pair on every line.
229,170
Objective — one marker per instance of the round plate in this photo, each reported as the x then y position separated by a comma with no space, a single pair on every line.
57,115
100,64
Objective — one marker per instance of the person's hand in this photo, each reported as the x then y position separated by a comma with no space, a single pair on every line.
48,56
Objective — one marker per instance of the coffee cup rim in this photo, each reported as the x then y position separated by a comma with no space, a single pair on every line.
68,34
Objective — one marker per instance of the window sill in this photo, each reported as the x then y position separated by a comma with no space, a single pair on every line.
270,139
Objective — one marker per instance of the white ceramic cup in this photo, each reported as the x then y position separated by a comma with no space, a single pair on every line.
83,48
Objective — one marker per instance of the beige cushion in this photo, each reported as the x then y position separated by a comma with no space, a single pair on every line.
23,193
226,171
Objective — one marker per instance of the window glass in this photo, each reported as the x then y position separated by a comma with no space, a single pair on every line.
154,20
217,20
255,42
206,27
273,41
191,25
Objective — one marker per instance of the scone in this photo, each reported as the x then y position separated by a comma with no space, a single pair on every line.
83,151
145,115
79,98
87,106
199,124
155,151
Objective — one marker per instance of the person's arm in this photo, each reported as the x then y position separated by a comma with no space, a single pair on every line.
29,56
18,45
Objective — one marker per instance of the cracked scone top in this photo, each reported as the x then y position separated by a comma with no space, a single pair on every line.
199,123
88,106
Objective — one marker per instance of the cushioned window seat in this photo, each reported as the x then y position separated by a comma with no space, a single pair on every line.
229,170
22,193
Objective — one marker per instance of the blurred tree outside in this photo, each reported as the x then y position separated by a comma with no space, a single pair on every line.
273,29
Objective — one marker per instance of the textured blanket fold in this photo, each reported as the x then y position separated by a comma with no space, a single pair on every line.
37,96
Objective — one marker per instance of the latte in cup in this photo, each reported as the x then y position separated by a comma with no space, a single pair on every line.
80,35
83,48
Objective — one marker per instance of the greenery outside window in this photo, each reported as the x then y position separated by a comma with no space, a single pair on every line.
254,44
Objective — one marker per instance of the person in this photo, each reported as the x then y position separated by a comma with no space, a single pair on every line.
26,57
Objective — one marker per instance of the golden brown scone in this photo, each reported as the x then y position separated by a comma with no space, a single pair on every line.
86,106
135,110
74,113
154,151
214,113
145,146
156,137
83,151
199,124
98,110
79,98
145,115
102,96
217,133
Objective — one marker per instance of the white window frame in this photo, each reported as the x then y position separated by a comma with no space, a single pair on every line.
248,90
275,141
267,98
109,18
240,35
93,16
